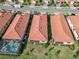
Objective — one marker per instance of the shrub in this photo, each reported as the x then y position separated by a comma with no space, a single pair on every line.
47,44
74,56
72,47
27,53
31,50
51,48
77,53
46,54
58,52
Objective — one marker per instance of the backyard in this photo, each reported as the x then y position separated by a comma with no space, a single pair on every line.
39,51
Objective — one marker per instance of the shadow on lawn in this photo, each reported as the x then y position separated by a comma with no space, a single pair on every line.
49,31
25,40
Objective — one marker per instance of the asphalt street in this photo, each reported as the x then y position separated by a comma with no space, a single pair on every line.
32,9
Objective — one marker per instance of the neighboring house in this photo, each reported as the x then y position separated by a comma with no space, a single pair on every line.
71,2
9,2
61,33
59,1
4,21
39,32
21,1
47,2
33,2
17,29
74,25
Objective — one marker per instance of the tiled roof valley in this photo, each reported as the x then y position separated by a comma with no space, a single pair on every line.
42,26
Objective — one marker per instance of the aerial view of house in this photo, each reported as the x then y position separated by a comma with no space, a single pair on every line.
39,31
4,21
16,30
59,0
60,30
74,25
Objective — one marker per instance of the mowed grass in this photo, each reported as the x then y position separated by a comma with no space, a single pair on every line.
39,51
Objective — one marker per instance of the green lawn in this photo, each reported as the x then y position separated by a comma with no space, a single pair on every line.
40,52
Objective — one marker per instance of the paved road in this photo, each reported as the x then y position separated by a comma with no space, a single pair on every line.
43,9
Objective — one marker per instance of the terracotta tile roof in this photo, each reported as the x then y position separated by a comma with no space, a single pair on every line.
39,30
17,28
21,1
75,21
9,2
1,14
60,29
60,0
4,19
72,1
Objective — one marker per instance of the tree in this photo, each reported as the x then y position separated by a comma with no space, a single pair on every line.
76,4
16,1
2,1
51,48
26,1
13,0
40,0
77,53
46,54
